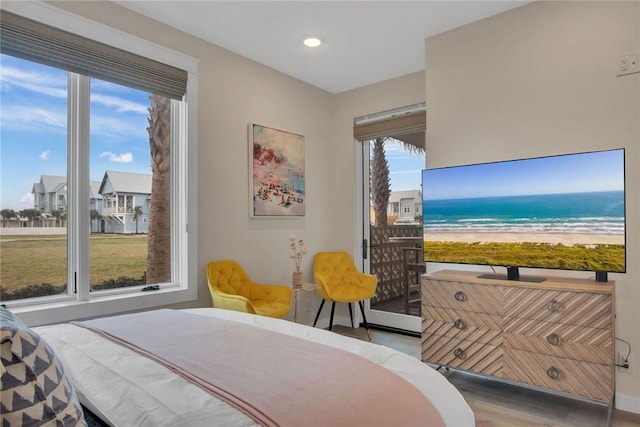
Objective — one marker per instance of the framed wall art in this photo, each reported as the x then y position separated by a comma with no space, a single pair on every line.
276,173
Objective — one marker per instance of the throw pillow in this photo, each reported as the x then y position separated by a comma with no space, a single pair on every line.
35,390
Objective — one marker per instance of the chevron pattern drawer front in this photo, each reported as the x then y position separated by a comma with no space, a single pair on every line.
467,325
559,339
464,296
558,334
575,308
589,380
469,355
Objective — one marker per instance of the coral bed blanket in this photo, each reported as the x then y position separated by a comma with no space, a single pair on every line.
274,378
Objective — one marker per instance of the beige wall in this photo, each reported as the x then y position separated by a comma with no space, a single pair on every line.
541,80
341,179
233,92
394,93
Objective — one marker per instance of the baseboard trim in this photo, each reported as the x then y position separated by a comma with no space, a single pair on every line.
393,330
344,321
628,403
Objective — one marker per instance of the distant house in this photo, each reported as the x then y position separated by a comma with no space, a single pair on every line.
405,206
121,192
124,192
95,207
50,194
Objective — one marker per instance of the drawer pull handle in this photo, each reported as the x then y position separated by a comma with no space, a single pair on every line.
553,373
459,353
459,324
553,339
460,296
554,306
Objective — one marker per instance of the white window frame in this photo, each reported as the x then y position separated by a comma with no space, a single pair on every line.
184,258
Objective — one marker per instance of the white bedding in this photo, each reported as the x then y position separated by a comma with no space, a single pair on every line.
126,389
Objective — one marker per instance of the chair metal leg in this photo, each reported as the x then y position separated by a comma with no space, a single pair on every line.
318,314
333,308
350,314
364,319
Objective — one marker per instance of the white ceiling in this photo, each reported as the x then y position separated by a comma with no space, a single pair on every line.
364,42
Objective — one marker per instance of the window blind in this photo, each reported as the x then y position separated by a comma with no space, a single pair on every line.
31,40
409,127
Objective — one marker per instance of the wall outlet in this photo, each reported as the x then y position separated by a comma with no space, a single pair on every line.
620,360
628,64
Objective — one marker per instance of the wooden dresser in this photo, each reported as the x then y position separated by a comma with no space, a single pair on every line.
557,334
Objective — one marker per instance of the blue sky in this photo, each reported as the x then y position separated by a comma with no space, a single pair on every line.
405,169
601,171
33,122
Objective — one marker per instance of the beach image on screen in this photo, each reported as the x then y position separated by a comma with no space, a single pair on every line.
561,212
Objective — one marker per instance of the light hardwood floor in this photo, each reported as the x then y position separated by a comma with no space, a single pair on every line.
497,404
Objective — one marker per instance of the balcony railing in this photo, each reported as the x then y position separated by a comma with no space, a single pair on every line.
387,258
116,210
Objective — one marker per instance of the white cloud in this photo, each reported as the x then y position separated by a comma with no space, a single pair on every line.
121,105
33,118
39,82
45,155
17,202
27,198
126,128
122,158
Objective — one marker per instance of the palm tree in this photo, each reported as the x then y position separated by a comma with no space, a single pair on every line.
137,212
159,246
30,214
6,215
57,214
380,182
94,215
379,176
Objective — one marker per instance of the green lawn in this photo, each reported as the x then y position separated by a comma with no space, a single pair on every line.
576,257
27,260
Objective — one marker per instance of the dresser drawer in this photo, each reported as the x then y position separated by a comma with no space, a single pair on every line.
467,325
472,356
462,296
558,339
574,308
589,380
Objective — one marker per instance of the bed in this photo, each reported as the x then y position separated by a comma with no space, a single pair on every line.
125,388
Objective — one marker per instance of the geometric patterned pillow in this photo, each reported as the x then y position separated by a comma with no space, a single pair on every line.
35,391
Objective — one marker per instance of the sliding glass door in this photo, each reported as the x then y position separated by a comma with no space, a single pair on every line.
391,228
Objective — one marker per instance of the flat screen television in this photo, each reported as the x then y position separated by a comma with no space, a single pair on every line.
559,212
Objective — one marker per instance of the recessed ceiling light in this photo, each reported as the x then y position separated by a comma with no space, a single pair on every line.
312,42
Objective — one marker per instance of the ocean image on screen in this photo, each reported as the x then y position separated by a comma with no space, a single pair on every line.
601,212
565,212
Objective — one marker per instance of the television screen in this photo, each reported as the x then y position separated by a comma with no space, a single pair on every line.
561,212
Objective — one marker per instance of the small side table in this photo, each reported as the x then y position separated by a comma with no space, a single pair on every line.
297,292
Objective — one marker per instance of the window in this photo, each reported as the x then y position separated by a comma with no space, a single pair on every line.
33,142
98,110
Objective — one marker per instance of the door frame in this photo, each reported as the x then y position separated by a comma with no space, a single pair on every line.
385,319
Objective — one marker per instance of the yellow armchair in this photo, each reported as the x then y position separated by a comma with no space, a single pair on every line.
232,289
339,280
